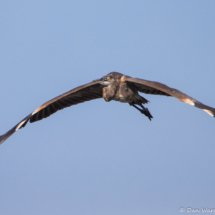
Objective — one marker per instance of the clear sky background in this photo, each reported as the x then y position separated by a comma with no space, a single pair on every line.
100,158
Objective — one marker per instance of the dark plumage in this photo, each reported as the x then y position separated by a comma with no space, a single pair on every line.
114,86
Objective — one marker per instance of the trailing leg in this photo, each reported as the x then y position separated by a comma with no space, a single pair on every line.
144,110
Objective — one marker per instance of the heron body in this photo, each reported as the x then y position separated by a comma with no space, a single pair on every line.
119,91
114,86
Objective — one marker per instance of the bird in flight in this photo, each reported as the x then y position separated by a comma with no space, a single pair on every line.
114,86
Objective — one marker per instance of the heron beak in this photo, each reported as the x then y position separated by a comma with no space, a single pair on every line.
98,81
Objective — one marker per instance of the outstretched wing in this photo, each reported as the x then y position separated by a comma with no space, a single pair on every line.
156,88
78,95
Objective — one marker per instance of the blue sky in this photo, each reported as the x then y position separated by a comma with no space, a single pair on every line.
97,157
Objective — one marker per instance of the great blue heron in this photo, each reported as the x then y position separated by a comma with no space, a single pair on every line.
114,86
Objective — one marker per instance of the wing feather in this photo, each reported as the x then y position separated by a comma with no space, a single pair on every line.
156,88
78,95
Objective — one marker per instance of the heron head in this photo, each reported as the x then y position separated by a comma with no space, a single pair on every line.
105,80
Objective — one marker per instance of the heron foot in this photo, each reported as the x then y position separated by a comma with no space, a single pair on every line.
146,113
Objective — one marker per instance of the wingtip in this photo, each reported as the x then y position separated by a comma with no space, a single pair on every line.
212,113
7,135
207,109
2,139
